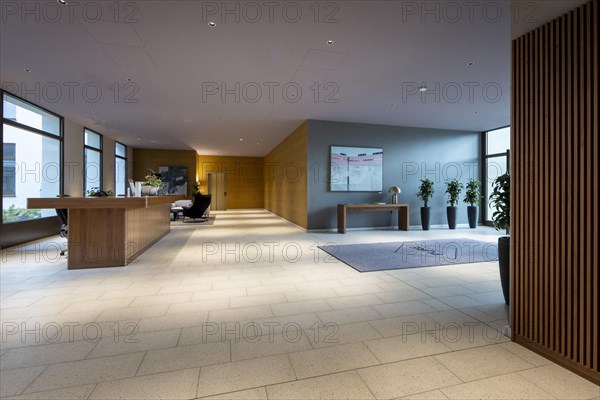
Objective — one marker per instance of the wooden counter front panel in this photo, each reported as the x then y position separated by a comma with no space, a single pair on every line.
146,226
96,238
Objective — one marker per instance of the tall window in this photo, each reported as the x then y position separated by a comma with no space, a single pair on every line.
31,158
92,156
120,169
496,160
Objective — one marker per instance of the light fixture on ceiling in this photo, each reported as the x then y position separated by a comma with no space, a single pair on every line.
330,42
241,139
129,80
212,24
423,89
139,138
63,2
258,143
471,63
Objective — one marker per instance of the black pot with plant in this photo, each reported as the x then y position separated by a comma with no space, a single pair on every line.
500,201
453,189
473,198
425,193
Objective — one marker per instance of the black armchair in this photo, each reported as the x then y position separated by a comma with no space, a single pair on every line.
63,218
197,210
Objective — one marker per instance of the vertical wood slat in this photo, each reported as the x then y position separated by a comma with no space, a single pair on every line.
555,306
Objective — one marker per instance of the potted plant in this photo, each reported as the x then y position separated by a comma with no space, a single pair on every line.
425,193
453,189
96,192
151,184
500,201
473,198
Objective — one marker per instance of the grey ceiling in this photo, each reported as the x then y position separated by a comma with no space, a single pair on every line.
382,51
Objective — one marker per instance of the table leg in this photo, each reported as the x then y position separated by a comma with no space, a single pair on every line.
341,219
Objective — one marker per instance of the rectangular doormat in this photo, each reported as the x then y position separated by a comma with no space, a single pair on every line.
423,253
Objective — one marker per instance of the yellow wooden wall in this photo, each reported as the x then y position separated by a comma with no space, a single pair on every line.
145,159
555,306
244,176
286,177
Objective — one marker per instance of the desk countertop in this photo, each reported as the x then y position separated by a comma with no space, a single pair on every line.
101,202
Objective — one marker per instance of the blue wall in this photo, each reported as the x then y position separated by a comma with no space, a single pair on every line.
409,154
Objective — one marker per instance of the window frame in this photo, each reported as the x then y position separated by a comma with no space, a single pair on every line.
124,158
484,173
100,151
59,138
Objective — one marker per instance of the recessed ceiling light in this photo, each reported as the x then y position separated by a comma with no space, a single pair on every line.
63,2
26,70
212,24
139,138
330,42
471,63
129,80
241,139
423,89
258,143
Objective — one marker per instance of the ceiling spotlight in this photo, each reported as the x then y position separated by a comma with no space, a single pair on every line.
423,89
212,24
330,42
258,143
241,139
26,70
139,138
471,63
129,80
63,2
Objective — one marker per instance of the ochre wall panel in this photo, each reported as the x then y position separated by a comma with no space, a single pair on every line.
145,159
554,168
244,176
286,177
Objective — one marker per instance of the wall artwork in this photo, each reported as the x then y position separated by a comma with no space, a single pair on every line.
175,179
356,169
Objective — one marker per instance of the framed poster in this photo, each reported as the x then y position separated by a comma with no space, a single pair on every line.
356,169
175,179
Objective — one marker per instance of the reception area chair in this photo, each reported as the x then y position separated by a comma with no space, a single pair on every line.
198,209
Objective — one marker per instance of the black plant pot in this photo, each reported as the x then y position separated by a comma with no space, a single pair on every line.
504,262
425,212
472,215
451,214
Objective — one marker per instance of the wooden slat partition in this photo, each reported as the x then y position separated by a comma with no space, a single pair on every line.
554,267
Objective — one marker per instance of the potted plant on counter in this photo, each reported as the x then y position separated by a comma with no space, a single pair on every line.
425,193
453,189
151,184
500,201
473,198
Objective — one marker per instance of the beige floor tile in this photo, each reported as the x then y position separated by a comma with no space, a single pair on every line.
402,295
300,307
268,343
134,313
144,341
249,394
97,305
333,334
184,357
362,300
527,355
163,299
357,290
259,300
403,308
408,324
466,335
172,321
431,395
269,289
561,383
14,381
236,284
170,385
185,288
404,347
310,294
345,385
198,306
246,374
460,301
482,362
72,393
78,373
349,315
126,293
407,377
504,387
329,360
240,315
45,354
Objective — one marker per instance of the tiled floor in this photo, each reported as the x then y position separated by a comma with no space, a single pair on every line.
249,308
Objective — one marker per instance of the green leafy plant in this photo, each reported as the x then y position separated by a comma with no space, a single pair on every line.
96,192
14,214
500,201
473,193
453,189
152,180
426,191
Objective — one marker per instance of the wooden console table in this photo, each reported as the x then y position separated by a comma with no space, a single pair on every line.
110,231
401,208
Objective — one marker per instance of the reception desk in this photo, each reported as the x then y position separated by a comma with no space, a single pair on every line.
111,231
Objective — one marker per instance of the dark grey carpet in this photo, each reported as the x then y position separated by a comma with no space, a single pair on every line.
424,253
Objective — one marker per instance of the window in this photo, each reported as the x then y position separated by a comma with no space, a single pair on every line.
497,146
120,169
31,158
92,158
8,170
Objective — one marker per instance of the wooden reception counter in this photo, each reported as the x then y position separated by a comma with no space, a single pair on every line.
111,231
